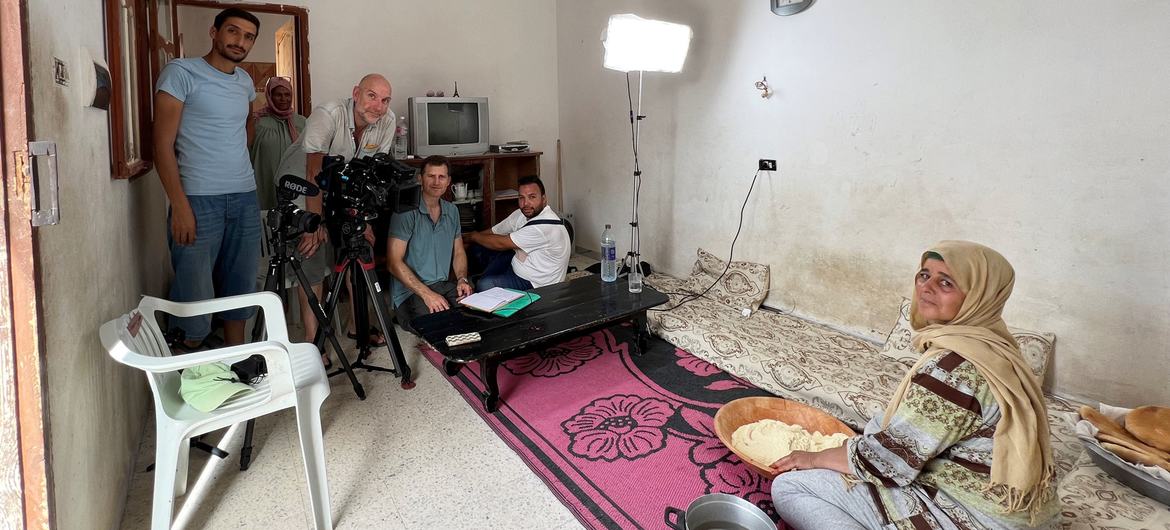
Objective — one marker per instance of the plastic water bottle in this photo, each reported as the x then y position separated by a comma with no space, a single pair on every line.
635,275
608,256
400,139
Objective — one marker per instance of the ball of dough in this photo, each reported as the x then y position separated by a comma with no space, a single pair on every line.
767,441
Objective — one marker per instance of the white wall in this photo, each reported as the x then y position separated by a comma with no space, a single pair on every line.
194,23
1039,129
505,50
109,249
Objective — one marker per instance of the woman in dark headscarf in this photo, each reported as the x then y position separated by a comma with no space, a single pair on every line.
277,127
964,442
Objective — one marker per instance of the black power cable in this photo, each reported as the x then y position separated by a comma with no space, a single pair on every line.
730,253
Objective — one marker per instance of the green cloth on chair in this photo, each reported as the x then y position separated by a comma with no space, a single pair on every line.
207,386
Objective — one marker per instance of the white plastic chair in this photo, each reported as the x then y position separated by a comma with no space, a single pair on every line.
295,378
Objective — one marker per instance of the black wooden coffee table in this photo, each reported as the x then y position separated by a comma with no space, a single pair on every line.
564,310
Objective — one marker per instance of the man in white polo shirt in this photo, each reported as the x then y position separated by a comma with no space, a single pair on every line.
529,249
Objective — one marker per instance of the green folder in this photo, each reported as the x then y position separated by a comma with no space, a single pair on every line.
515,305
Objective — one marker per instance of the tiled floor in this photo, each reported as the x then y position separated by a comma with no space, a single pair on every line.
410,459
419,458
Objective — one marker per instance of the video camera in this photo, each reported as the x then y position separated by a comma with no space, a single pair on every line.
363,186
287,220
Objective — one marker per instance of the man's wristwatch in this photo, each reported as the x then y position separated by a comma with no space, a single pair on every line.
464,280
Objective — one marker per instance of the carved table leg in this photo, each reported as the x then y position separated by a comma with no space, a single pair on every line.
491,398
641,335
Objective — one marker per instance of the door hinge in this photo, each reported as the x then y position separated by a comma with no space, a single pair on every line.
22,177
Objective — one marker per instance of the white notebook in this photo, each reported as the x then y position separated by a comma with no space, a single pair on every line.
491,299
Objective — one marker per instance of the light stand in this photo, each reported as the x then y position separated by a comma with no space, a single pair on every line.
636,44
634,256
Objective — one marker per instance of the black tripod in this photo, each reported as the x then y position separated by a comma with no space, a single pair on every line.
355,257
279,237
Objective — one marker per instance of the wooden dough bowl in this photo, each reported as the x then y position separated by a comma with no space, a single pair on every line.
743,411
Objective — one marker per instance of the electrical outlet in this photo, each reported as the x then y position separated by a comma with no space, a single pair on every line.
767,164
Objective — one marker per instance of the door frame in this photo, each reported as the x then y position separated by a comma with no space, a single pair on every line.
301,22
24,414
283,39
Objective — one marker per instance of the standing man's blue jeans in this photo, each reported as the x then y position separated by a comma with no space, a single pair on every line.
223,260
497,269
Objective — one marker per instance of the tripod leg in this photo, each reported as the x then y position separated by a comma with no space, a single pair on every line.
274,269
325,328
208,448
246,450
274,282
361,315
392,344
330,309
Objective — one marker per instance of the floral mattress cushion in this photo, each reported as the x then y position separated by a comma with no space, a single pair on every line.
744,286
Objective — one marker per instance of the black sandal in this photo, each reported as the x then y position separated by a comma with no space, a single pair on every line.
373,343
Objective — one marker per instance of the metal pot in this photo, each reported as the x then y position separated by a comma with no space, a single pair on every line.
718,511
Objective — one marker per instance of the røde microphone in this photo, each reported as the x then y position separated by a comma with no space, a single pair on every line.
299,186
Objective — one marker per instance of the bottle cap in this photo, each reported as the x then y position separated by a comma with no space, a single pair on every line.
607,227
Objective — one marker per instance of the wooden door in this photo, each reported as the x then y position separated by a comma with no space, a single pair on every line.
25,475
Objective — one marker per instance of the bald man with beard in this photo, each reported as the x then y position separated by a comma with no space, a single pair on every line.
358,126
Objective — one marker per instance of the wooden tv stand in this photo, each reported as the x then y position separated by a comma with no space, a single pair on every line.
488,174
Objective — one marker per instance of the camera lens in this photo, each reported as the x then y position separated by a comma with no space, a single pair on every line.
305,222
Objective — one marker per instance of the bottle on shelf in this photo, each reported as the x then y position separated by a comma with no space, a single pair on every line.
400,139
608,256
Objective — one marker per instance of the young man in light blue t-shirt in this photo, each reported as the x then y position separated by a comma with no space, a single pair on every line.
201,110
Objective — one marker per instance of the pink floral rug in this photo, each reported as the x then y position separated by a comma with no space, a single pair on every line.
619,439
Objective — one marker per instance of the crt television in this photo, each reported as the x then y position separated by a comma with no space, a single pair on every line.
448,126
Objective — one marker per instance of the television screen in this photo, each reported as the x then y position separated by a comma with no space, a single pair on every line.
448,126
452,123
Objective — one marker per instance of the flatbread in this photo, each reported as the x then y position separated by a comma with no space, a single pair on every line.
1110,431
1150,425
1133,445
1136,457
1102,422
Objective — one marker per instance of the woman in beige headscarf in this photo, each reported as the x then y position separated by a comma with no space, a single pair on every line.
964,441
277,126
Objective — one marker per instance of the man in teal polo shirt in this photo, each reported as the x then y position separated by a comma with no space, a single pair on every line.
425,245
